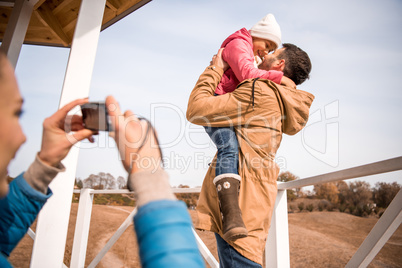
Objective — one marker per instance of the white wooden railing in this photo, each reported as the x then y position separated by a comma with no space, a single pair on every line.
277,247
83,223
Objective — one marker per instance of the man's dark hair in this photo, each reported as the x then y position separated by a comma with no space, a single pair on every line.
297,63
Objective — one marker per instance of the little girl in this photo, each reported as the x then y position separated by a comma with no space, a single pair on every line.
244,50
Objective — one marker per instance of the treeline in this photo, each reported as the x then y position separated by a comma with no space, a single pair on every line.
102,181
357,197
189,198
105,181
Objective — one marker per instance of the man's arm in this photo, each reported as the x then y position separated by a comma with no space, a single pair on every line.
226,110
205,109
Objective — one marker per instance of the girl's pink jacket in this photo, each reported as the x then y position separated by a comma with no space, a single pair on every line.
238,53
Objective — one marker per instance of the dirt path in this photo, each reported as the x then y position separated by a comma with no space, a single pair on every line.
110,259
317,239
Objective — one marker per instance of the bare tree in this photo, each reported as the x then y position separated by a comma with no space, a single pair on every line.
121,183
383,193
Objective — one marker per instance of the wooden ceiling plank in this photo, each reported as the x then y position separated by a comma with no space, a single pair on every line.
70,26
126,5
58,29
113,5
46,14
38,4
62,6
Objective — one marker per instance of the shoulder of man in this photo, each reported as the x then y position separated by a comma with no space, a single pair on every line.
264,84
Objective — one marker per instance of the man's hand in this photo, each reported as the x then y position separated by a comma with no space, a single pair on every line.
130,134
56,142
287,82
218,61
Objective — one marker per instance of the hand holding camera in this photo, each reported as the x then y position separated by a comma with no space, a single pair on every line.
56,143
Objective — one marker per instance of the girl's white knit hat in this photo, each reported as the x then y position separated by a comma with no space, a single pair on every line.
268,29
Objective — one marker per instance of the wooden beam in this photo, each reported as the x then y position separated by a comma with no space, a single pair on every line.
16,30
7,3
47,17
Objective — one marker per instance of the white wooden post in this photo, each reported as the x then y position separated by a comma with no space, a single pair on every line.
209,258
82,228
16,29
277,247
31,234
379,235
51,231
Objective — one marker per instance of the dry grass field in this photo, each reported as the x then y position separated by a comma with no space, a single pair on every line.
317,239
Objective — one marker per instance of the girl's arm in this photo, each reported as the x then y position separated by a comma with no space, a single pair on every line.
237,54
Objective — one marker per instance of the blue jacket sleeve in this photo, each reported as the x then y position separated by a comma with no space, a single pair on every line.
18,210
165,237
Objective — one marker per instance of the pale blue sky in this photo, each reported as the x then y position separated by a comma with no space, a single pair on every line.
151,60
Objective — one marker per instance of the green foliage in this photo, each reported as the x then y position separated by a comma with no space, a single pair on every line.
351,209
288,176
359,193
377,210
190,199
310,207
76,198
358,211
355,198
384,193
327,191
291,195
343,189
128,199
113,200
78,183
301,206
342,208
109,199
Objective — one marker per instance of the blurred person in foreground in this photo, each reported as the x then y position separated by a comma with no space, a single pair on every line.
162,223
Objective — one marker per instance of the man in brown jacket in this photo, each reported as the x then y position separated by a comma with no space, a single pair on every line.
259,111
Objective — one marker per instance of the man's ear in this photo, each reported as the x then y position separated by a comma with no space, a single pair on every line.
280,64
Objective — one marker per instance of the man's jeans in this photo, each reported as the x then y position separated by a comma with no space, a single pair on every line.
230,258
228,149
